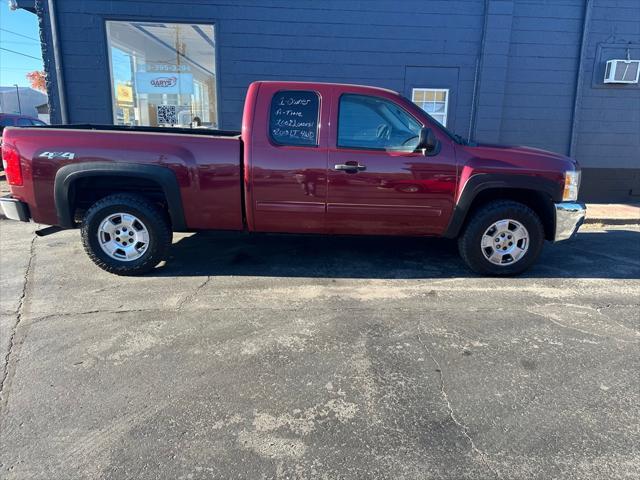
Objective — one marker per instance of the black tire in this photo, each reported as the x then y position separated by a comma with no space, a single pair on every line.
154,219
470,242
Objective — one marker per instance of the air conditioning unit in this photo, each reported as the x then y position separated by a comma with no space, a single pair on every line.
622,71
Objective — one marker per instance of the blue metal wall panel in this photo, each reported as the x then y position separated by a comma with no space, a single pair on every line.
608,126
543,55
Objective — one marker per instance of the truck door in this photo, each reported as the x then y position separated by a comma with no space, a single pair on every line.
288,160
377,183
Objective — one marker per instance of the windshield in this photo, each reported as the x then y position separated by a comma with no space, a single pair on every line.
435,123
459,139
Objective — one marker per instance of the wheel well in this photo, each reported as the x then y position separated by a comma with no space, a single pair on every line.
85,191
539,202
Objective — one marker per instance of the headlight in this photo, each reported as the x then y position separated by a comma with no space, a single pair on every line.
571,185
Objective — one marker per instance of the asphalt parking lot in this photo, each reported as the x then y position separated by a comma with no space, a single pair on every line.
294,357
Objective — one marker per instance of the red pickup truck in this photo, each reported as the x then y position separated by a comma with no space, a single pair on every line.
312,158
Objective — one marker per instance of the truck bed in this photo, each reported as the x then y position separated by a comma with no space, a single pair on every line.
206,165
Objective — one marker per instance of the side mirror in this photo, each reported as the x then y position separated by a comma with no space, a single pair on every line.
427,141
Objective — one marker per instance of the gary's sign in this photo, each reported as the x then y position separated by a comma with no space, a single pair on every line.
164,82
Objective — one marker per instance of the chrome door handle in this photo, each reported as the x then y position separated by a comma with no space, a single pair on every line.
350,167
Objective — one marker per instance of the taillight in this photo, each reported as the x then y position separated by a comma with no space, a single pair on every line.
11,162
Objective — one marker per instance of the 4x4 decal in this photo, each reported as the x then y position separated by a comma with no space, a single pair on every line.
52,155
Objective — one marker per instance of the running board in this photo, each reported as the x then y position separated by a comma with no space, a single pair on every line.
43,232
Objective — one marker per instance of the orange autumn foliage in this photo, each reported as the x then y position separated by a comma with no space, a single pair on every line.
37,78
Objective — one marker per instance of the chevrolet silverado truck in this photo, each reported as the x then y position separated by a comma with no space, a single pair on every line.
312,158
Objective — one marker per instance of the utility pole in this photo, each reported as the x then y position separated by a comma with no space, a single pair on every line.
18,95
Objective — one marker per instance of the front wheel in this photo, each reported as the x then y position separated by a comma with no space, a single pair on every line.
126,234
502,238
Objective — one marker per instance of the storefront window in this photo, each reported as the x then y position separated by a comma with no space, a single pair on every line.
163,74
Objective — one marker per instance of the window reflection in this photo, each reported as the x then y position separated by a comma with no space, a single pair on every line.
163,74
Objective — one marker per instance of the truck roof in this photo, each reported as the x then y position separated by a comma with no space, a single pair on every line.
285,84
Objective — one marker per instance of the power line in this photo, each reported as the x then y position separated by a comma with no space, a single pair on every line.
20,35
17,71
20,53
13,42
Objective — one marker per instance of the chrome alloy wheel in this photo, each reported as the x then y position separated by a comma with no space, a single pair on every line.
505,242
123,237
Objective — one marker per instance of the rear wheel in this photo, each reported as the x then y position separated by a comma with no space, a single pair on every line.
502,238
126,234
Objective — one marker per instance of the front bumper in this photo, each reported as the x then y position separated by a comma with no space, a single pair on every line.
569,217
14,209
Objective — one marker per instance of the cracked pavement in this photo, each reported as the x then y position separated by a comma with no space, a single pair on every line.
294,357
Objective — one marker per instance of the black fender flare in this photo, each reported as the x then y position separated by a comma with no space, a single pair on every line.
163,176
486,181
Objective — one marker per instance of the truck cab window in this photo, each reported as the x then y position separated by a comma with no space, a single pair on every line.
293,118
375,123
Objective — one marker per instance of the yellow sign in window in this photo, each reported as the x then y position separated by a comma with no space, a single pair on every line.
124,93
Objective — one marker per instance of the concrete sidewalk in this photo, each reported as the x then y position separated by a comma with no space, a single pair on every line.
613,213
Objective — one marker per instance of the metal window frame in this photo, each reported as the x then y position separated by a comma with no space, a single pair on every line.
446,102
